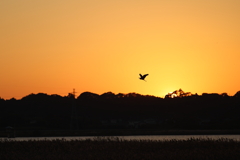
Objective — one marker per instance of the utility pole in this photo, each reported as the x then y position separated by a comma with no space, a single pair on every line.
74,117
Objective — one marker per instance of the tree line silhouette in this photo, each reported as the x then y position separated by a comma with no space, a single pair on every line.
120,111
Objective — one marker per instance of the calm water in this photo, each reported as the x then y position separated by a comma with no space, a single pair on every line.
145,137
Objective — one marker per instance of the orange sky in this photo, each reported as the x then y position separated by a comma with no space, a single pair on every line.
53,46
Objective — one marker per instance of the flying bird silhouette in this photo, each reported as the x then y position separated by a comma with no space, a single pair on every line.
142,77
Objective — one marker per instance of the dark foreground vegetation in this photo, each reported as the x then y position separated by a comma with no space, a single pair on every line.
118,149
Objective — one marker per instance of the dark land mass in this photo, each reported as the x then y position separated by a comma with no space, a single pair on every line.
119,114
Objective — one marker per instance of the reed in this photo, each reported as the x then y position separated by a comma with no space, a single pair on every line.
115,148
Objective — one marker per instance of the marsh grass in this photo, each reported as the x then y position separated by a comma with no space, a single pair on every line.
114,148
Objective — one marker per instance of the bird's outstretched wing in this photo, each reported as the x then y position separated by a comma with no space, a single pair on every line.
145,75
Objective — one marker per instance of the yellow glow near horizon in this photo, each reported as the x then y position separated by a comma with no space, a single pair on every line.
53,46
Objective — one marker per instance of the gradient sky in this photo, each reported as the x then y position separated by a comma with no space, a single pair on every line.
53,46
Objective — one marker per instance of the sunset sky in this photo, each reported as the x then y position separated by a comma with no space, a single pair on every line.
53,46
